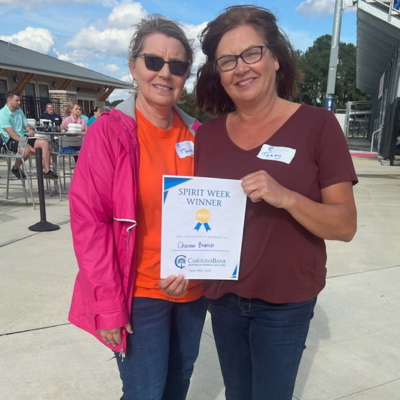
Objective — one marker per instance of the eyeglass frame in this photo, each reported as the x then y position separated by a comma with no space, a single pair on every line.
165,62
237,56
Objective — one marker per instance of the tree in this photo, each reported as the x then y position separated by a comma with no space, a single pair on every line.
345,89
113,103
188,105
314,63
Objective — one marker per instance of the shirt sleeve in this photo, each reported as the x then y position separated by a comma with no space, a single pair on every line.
5,120
24,120
333,156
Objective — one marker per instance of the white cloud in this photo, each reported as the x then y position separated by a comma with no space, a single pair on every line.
93,43
127,78
111,68
321,7
193,32
81,64
37,39
126,15
64,57
119,94
113,41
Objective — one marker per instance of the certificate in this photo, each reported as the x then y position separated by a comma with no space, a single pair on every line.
202,227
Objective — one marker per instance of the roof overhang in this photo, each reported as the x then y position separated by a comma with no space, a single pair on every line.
377,42
21,59
113,83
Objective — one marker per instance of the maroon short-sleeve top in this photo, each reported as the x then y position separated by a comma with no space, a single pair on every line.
281,262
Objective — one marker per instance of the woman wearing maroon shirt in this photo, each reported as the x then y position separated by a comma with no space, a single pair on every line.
297,172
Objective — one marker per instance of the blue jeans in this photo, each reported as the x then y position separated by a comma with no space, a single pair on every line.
259,345
161,352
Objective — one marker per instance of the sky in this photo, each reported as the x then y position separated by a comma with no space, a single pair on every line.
96,33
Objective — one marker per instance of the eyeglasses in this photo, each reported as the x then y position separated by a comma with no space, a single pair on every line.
249,56
154,63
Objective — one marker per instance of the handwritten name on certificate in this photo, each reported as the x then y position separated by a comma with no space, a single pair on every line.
202,227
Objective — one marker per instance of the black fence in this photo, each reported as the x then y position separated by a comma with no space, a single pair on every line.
34,106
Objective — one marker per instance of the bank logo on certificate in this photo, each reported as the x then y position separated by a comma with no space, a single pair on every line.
199,238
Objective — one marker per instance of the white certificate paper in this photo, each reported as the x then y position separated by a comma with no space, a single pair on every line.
202,227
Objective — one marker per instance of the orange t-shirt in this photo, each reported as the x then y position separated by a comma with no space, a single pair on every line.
158,157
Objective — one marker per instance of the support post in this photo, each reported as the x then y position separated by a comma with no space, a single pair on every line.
43,225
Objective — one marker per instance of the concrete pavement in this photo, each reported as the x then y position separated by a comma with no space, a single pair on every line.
353,349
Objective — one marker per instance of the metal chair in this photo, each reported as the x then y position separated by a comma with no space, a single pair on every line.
67,148
8,155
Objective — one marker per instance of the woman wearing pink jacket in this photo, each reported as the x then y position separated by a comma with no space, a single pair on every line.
153,326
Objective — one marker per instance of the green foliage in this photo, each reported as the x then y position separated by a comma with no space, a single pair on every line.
188,104
113,103
314,63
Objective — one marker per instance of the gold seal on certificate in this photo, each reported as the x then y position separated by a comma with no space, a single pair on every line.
199,238
203,216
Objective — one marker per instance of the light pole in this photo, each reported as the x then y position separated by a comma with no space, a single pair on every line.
333,60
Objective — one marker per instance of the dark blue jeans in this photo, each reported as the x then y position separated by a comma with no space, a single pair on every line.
259,345
161,352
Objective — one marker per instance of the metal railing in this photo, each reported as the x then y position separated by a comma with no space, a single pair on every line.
383,5
34,106
357,119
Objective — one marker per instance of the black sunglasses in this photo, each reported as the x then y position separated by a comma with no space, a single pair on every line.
154,63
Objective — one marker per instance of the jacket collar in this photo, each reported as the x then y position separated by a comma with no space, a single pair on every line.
128,107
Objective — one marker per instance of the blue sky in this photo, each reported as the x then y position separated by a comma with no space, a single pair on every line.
96,33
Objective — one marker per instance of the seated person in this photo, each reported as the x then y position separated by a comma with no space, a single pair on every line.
95,113
49,114
75,117
13,126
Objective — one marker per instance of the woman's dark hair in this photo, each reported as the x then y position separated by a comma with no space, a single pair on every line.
158,24
209,92
94,109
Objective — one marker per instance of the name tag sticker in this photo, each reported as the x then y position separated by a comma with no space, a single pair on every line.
185,149
275,153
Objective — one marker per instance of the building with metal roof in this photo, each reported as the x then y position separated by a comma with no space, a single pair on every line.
378,70
41,78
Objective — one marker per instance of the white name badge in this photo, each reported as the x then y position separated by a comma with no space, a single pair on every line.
185,149
275,153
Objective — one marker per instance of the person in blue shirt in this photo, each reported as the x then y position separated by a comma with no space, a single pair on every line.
95,113
13,126
84,116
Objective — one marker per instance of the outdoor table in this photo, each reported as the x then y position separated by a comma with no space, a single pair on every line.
53,136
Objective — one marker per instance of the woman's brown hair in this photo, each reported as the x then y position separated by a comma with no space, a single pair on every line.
209,92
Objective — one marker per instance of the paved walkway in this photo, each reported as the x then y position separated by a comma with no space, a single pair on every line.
352,353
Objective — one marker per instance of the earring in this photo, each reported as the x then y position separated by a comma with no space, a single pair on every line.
135,85
184,94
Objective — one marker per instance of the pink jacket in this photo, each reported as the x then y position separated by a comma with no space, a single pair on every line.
103,214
